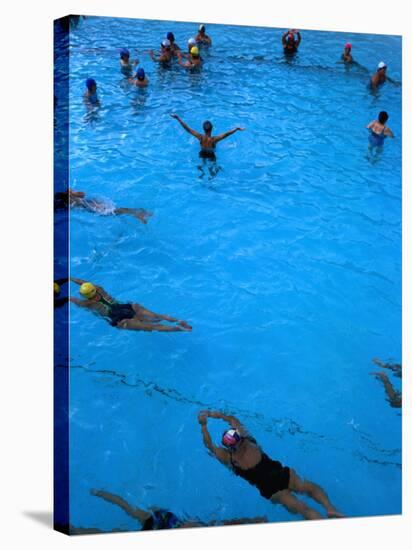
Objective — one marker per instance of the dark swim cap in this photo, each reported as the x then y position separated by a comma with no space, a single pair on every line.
383,117
124,52
140,73
207,126
90,82
170,36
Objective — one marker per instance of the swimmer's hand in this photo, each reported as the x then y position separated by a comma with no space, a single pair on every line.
202,418
185,326
240,129
175,116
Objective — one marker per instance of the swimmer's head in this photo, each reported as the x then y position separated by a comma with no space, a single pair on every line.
56,288
88,290
140,75
191,42
194,51
348,46
231,438
382,66
202,29
124,54
91,85
207,125
290,37
166,44
383,117
170,36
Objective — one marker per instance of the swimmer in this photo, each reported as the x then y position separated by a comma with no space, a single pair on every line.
140,79
278,483
378,130
207,141
77,199
165,56
158,518
289,42
126,65
347,53
173,46
90,95
202,39
129,316
58,300
194,59
394,397
380,76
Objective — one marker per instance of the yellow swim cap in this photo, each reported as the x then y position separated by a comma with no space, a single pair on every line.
56,288
88,290
194,51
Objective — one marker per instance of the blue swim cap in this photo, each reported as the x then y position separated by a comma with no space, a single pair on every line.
170,36
124,52
90,82
140,73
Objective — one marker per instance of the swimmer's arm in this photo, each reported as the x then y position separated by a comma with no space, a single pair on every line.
186,127
77,281
284,37
232,420
369,126
299,38
218,452
227,134
79,302
388,132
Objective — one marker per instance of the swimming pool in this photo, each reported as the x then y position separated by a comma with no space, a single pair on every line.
287,262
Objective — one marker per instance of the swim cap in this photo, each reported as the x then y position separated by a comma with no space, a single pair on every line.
88,290
166,43
231,438
191,42
194,51
382,65
348,45
202,28
140,73
90,82
170,36
56,288
207,125
124,52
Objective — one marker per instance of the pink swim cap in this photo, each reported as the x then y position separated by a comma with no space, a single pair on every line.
231,438
348,45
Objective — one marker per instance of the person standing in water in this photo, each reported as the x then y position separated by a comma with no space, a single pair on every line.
158,518
347,53
207,141
90,95
129,316
140,79
202,39
165,56
289,42
173,46
380,77
194,61
278,483
379,131
126,65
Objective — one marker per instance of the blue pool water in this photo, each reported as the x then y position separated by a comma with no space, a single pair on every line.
287,263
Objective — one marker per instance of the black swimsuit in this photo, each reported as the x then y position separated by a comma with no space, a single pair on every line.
268,476
117,312
206,153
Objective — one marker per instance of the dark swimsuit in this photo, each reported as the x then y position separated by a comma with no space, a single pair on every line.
117,312
268,476
207,153
161,519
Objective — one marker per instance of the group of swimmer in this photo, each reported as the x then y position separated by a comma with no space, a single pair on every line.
238,451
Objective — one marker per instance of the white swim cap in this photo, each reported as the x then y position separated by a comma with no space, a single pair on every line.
382,65
166,43
191,42
202,27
